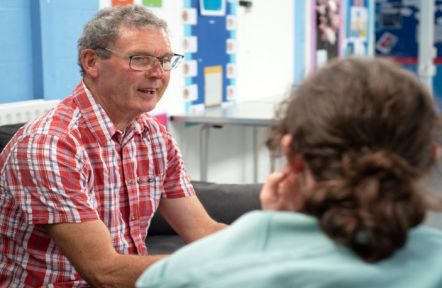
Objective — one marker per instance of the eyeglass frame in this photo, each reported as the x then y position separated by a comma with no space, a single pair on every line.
160,60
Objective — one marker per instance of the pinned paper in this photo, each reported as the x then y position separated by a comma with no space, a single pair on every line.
231,92
190,93
190,44
190,68
189,16
231,70
231,46
386,42
230,22
213,85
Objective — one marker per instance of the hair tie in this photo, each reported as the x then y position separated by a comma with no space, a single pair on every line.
362,237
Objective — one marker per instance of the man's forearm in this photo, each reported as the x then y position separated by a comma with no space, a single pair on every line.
120,271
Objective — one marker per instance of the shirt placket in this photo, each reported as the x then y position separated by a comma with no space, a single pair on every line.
132,185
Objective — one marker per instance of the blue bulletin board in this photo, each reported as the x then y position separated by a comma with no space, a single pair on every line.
396,32
396,28
210,52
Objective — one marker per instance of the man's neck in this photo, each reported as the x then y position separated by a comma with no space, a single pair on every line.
117,117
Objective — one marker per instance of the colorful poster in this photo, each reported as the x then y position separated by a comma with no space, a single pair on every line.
358,23
122,2
153,3
328,23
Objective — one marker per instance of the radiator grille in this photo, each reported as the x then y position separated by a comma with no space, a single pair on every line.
19,112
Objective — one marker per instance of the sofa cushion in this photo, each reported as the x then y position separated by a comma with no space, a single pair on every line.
164,244
223,202
6,132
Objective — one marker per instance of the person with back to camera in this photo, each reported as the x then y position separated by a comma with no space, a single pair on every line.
359,135
80,185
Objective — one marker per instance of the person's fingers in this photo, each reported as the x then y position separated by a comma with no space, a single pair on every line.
269,192
289,192
288,185
273,180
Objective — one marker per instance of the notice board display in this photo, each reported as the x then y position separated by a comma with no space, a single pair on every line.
396,33
210,48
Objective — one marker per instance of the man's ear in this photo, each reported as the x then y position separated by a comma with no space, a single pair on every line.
295,160
88,60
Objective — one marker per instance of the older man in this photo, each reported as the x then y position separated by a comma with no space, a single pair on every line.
80,185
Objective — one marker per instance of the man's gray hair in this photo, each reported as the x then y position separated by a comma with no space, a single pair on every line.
103,29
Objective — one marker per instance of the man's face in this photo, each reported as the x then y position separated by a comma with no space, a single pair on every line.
124,92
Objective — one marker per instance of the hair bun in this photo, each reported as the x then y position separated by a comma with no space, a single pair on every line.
383,165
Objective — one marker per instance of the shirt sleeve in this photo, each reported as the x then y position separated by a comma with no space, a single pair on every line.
49,179
177,182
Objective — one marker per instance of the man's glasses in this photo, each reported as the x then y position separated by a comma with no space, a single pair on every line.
146,62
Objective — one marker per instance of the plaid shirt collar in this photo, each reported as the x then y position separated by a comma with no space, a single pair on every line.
99,122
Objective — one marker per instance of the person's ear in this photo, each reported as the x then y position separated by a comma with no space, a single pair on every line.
294,159
88,60
436,151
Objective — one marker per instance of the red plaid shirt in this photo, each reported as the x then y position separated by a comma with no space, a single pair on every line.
72,165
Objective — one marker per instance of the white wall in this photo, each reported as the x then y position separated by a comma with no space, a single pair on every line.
264,69
265,49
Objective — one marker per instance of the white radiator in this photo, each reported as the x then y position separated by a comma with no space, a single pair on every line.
23,111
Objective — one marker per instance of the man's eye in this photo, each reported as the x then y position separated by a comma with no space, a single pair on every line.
141,60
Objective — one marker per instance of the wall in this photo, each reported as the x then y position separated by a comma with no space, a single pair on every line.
16,56
265,60
37,34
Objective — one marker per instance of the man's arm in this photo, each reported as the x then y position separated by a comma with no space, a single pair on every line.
88,246
188,217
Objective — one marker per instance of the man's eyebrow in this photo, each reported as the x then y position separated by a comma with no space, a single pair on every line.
145,53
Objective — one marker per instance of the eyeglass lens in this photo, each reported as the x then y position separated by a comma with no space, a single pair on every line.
146,62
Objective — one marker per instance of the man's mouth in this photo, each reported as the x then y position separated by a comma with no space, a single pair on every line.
148,90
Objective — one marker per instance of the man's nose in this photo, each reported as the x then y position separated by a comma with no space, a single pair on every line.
156,70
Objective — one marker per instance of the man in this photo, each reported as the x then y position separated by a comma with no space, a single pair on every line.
79,185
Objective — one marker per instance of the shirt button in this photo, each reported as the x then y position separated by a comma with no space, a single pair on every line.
132,217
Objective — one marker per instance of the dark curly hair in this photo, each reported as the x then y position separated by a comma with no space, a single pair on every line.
366,130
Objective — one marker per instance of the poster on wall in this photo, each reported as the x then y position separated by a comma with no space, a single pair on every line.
328,25
213,85
357,33
210,62
153,3
122,2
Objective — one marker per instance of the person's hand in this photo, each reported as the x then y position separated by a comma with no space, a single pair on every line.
281,192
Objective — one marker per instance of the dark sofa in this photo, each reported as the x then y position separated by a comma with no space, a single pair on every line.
224,202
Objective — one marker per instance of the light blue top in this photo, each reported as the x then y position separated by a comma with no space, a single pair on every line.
282,249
